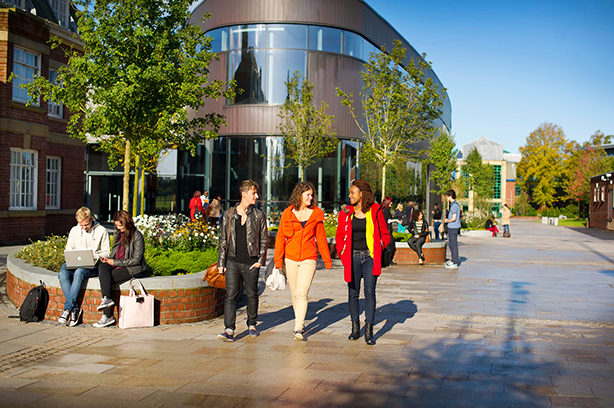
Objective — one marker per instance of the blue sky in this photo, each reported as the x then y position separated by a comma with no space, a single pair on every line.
510,66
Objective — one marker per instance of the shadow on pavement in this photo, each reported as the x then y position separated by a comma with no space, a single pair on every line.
595,233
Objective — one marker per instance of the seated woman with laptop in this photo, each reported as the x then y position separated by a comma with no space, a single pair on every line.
87,243
127,261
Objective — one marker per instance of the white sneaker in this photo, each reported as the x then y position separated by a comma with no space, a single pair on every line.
64,317
105,321
452,266
448,263
106,302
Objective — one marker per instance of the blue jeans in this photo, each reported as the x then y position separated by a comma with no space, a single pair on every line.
506,228
453,244
362,267
71,281
436,225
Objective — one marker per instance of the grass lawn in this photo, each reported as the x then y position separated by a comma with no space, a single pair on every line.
573,222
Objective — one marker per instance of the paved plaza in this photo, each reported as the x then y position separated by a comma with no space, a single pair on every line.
526,321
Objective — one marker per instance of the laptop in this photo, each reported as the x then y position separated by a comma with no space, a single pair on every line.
80,258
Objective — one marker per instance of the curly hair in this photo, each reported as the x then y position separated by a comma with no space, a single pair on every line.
296,199
367,195
125,219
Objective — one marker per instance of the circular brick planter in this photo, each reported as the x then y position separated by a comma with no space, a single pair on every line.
179,299
434,252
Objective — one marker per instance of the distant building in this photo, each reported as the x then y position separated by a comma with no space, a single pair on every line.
602,201
41,167
504,164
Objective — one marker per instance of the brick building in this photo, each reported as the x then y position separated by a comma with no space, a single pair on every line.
602,201
41,167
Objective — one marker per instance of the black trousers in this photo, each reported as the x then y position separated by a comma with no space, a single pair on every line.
109,276
416,244
235,273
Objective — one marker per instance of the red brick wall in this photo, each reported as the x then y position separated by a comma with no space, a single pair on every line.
18,230
599,209
407,256
171,306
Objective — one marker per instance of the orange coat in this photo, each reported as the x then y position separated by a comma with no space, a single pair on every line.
297,243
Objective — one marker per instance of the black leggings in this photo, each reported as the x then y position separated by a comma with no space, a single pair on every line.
108,276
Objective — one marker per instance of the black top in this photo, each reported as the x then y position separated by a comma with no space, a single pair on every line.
359,234
489,224
437,215
303,223
242,256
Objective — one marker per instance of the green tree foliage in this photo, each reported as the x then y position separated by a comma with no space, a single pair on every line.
540,169
442,155
585,161
307,131
480,178
522,205
401,180
399,105
141,67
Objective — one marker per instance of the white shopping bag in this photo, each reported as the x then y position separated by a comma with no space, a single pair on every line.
136,310
275,278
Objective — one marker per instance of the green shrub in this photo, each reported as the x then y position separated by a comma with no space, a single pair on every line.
401,236
330,224
571,211
167,263
551,212
48,254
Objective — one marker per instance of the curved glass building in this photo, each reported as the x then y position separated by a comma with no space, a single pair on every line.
260,45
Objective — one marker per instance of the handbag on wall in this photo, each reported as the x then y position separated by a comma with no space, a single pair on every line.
136,310
212,275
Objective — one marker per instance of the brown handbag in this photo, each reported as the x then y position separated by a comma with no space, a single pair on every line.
428,237
212,275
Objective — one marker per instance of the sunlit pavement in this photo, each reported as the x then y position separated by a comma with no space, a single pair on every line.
525,321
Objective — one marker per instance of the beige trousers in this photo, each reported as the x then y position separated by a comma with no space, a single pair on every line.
300,275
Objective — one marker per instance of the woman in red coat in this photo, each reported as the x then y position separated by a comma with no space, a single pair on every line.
362,234
196,203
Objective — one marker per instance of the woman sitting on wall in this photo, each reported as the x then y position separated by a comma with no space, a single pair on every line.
419,230
491,225
127,261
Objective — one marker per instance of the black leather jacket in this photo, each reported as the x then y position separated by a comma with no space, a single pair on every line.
257,236
134,259
422,234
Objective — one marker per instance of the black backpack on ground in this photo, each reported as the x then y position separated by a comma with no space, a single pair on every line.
34,306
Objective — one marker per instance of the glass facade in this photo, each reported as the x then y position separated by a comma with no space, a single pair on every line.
496,191
263,57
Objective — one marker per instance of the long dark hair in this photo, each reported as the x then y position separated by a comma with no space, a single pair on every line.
296,199
367,195
125,219
416,214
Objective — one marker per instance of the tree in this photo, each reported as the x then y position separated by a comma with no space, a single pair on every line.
399,105
584,162
480,177
442,155
307,131
142,66
540,169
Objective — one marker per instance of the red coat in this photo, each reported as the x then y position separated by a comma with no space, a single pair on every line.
194,204
344,239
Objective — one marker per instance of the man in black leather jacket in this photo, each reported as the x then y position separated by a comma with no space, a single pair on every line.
241,255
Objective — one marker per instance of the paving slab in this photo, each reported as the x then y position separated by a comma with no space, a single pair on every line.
525,321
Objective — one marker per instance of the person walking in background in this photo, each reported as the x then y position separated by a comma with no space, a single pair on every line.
454,225
127,261
436,220
300,236
361,236
195,204
387,217
204,200
241,255
419,229
88,234
506,213
215,210
400,216
491,225
409,213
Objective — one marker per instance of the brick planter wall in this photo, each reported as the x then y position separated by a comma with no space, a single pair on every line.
172,306
434,252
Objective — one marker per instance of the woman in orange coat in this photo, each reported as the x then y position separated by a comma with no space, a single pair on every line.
301,233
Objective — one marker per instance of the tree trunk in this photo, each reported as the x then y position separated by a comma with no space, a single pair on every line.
126,192
142,190
383,182
135,192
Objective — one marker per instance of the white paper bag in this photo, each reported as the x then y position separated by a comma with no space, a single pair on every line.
136,310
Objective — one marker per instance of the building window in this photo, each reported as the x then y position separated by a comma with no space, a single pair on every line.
611,206
353,45
22,180
247,69
53,109
54,178
516,191
325,39
26,66
282,64
496,190
60,8
603,194
287,36
16,3
220,39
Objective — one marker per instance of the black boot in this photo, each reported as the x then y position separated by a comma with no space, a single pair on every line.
355,335
369,334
